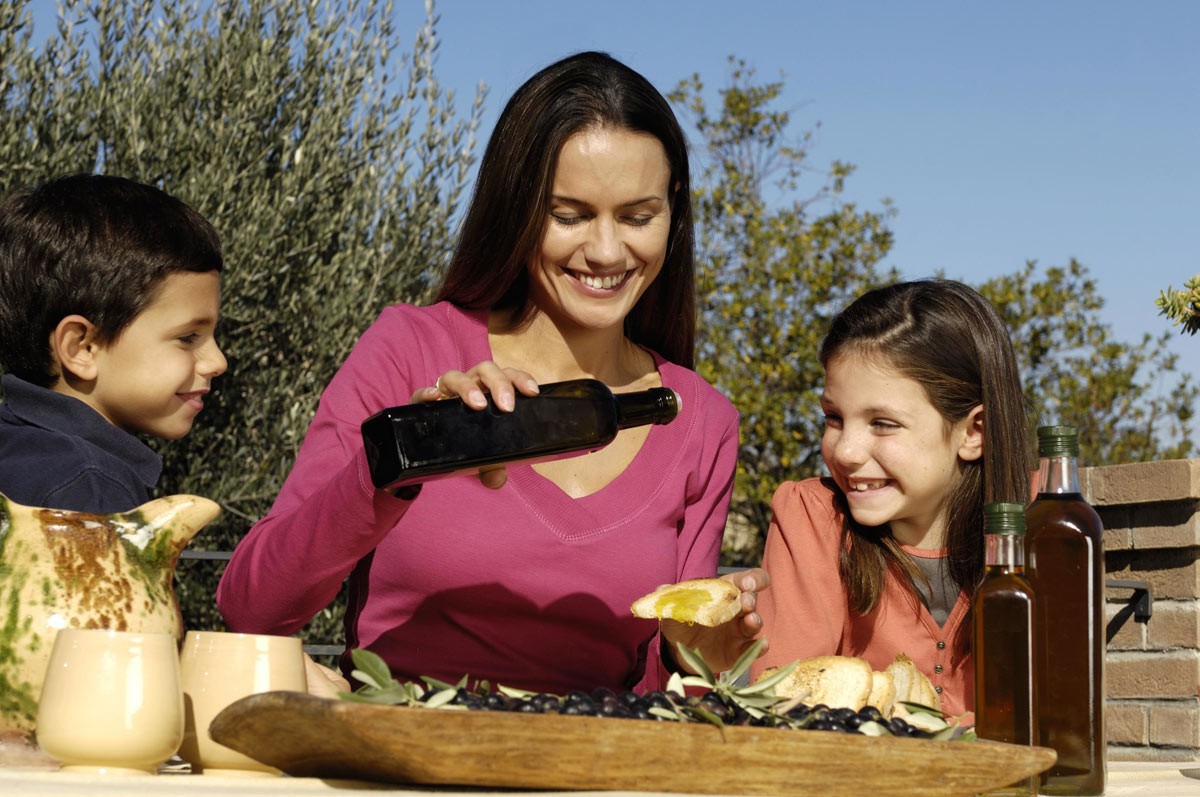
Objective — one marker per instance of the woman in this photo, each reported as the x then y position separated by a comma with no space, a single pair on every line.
574,260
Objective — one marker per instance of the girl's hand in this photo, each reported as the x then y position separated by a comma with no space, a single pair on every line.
471,386
322,681
722,645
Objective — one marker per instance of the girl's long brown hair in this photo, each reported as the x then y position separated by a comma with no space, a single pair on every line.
509,209
950,340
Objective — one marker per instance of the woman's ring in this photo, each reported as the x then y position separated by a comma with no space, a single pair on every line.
441,390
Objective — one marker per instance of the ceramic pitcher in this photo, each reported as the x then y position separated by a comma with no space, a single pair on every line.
63,569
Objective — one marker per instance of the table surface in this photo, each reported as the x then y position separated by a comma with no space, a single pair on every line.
1125,779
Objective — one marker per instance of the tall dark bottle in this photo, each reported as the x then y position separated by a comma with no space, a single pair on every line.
1003,639
420,442
1065,563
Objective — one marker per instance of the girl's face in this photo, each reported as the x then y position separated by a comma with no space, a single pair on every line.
889,449
606,237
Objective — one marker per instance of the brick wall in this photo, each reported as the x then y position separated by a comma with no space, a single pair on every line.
1151,514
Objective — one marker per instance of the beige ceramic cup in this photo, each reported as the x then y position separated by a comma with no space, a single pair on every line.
111,701
220,668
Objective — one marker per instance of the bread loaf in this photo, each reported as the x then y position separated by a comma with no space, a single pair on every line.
849,682
835,681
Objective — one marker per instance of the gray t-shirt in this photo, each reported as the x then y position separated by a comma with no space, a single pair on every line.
941,593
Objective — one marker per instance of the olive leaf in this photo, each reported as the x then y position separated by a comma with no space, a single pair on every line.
742,665
697,663
872,728
920,708
927,721
371,669
442,697
434,683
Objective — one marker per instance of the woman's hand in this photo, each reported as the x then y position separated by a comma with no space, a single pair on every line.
471,386
722,645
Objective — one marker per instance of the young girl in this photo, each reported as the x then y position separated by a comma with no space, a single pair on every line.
924,424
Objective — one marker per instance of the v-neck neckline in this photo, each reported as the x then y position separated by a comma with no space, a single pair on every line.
543,495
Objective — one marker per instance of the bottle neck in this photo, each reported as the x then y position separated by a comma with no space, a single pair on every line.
1004,550
1058,474
656,405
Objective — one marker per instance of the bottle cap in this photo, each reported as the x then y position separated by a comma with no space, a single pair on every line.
1058,441
1004,519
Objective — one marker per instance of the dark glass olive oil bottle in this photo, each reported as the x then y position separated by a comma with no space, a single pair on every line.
1065,563
1003,640
419,442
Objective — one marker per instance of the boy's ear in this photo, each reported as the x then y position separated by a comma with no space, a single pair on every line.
971,447
73,344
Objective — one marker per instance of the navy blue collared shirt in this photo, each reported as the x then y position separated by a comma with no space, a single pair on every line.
57,452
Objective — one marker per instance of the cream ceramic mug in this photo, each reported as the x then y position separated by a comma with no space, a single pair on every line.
111,701
219,668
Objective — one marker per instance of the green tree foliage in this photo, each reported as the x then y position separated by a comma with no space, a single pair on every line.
331,178
1129,401
1182,307
777,260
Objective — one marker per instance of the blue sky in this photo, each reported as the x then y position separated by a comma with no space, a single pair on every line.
1002,131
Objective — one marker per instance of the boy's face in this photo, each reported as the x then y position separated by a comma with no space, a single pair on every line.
153,377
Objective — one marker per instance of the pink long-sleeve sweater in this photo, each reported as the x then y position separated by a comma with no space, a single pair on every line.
522,586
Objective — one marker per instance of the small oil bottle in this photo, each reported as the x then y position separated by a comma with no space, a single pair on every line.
1003,639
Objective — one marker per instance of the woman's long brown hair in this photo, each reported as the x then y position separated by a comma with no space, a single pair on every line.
507,217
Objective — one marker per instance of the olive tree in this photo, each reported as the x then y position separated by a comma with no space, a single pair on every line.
330,161
776,259
1182,307
781,250
1129,400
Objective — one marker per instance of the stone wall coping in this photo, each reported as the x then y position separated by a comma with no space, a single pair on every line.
1141,482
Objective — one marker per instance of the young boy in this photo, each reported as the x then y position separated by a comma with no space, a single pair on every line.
109,296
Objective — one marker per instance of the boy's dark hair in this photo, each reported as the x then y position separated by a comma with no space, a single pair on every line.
93,245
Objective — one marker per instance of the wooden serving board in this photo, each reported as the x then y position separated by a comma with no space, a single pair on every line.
317,737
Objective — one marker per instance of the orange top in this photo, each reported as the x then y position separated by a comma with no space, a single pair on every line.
805,611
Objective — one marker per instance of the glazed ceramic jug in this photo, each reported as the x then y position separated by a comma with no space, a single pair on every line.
62,569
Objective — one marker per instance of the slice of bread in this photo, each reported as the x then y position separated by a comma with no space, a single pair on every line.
703,601
911,685
883,693
836,681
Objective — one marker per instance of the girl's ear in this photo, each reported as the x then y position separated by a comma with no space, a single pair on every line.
73,344
971,447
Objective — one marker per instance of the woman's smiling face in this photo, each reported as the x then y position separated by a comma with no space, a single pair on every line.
889,449
606,237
